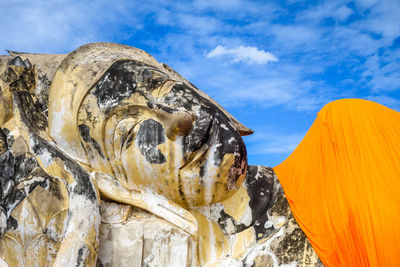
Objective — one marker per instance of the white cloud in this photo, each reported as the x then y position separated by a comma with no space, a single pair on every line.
351,41
331,9
245,54
61,26
237,86
192,24
367,3
342,13
271,91
382,19
381,73
219,5
236,8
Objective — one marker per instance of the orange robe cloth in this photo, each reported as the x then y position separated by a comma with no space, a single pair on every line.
343,184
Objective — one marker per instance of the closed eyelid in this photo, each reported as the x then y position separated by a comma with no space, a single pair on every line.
123,132
128,138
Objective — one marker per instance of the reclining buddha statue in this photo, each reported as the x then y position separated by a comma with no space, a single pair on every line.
109,158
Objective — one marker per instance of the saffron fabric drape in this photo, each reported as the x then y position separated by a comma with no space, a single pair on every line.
343,184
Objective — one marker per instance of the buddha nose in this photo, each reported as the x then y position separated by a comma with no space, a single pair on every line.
179,123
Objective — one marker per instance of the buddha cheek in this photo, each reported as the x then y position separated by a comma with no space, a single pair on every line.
144,169
141,157
138,170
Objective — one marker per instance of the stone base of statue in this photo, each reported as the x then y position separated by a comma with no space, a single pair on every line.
130,236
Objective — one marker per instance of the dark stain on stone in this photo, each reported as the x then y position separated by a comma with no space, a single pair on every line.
291,248
202,170
281,206
7,166
27,63
10,137
26,165
99,263
118,83
151,134
126,77
83,184
19,78
259,184
3,142
7,172
84,131
180,189
54,185
13,171
12,223
225,220
43,98
80,258
17,61
9,75
261,190
30,111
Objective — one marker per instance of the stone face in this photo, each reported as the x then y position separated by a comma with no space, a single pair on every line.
125,115
108,158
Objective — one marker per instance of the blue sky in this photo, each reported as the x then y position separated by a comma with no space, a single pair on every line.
272,64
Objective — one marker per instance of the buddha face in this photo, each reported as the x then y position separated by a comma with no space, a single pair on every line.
161,135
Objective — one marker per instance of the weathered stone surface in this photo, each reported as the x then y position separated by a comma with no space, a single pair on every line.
107,131
151,240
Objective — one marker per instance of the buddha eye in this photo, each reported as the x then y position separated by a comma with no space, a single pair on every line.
125,134
129,137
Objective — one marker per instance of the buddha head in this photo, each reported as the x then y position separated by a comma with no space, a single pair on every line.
116,110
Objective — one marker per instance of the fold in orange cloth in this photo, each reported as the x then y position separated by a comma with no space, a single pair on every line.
343,184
